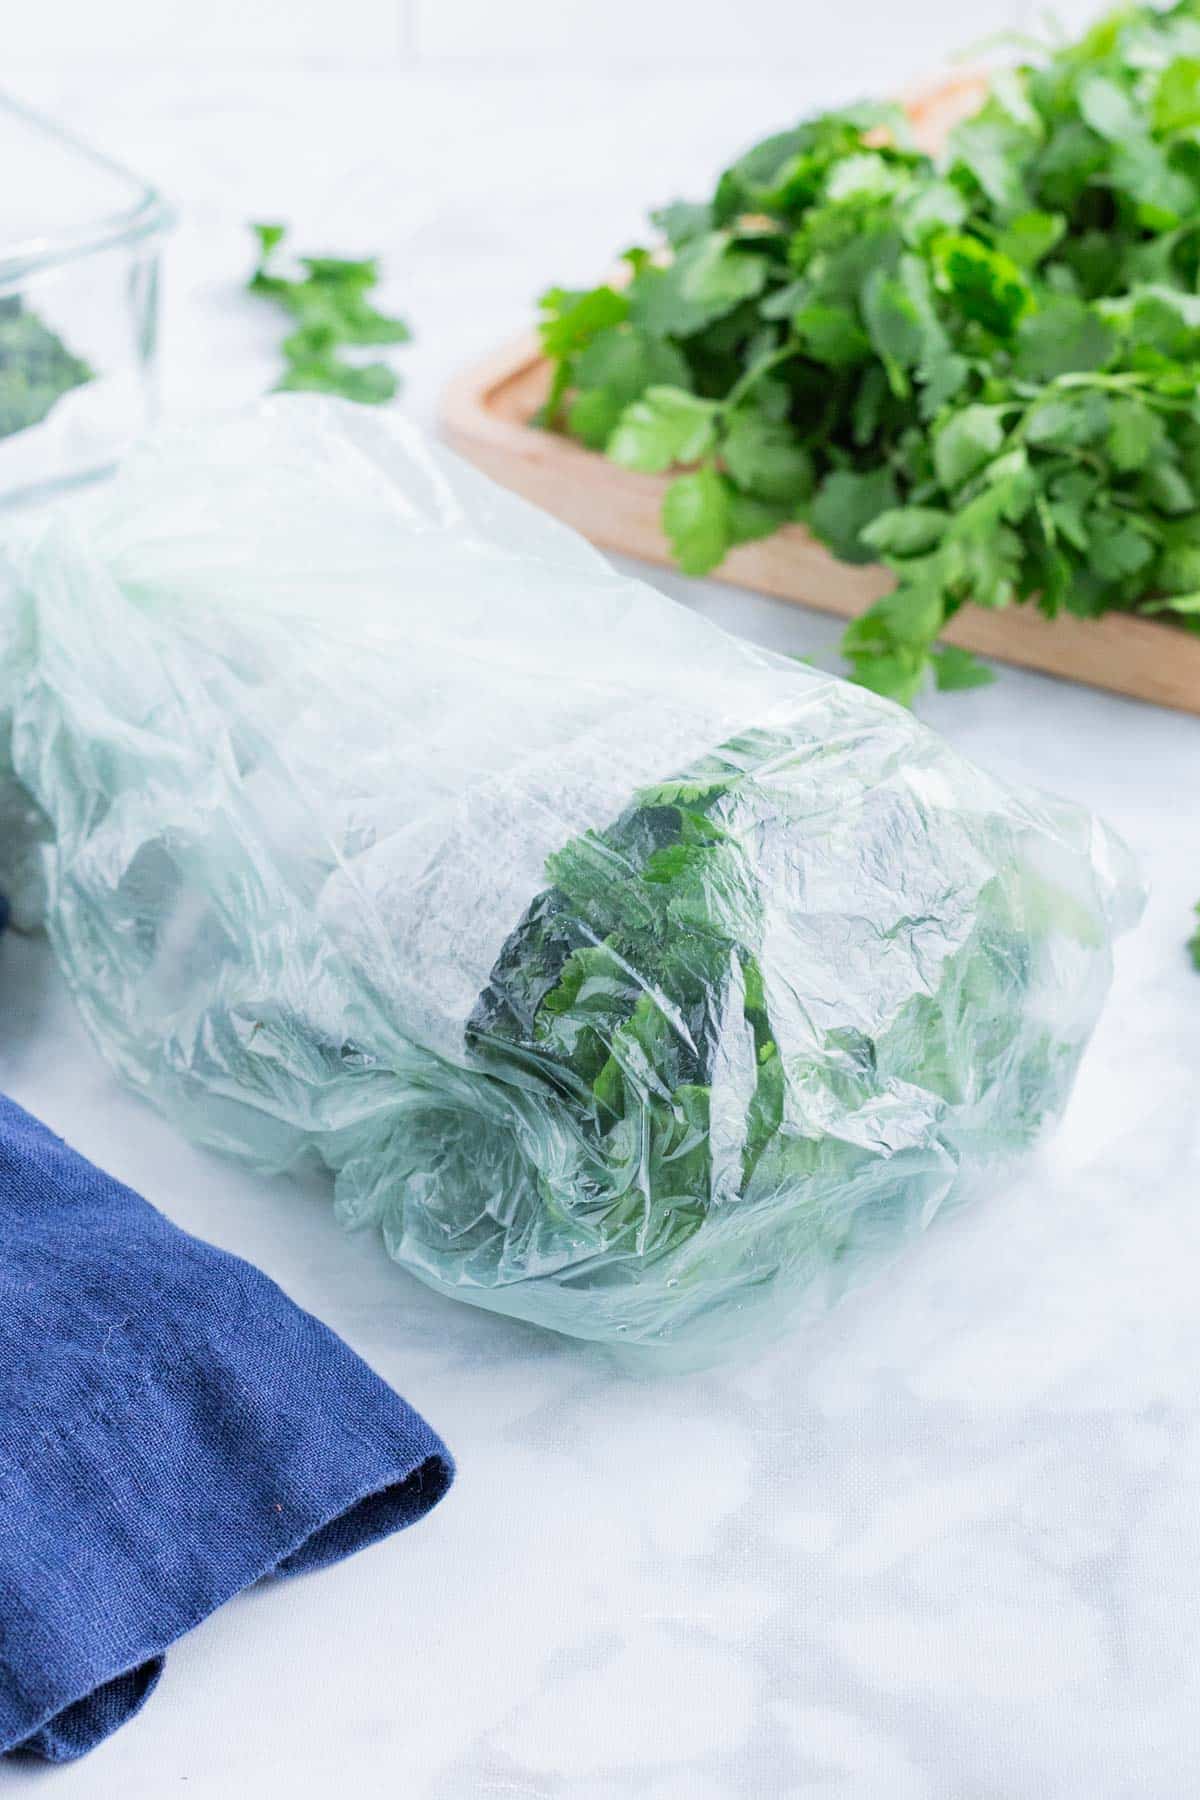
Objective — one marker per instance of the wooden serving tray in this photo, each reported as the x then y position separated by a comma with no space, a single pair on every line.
486,417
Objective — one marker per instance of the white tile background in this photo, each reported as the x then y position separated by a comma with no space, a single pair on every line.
842,35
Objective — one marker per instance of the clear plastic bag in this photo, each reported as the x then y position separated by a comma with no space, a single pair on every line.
630,978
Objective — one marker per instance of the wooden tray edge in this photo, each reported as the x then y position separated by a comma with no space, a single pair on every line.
619,510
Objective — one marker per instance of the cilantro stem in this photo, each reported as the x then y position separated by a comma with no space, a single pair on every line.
753,375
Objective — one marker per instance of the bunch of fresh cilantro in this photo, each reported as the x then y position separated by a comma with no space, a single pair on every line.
332,312
981,372
649,993
36,368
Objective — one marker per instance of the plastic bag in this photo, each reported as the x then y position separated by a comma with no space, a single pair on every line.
630,978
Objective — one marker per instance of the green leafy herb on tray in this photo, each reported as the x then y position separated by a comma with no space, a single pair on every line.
1194,942
333,313
36,368
981,372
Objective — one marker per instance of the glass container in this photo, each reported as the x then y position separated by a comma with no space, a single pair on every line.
80,244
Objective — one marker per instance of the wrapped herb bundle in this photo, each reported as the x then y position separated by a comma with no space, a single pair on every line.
631,979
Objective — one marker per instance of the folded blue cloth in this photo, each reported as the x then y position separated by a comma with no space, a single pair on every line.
172,1428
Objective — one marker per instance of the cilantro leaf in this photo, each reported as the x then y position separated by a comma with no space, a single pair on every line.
1118,549
900,317
1030,237
1108,109
1188,605
1176,104
666,426
764,458
614,369
268,237
572,318
626,362
965,442
1064,335
593,415
695,516
707,278
750,517
1135,433
831,334
985,284
682,220
988,151
368,383
1161,194
845,504
955,669
36,368
906,530
329,301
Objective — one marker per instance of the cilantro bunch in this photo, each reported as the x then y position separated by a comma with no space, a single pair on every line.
332,312
981,372
36,368
685,1129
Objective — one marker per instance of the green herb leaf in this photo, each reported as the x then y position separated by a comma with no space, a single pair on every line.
845,504
1118,549
695,517
751,518
1135,433
764,458
614,369
682,220
666,426
831,335
1187,604
1030,237
707,279
967,441
573,317
268,237
330,301
1176,105
36,368
1108,109
1064,336
955,669
985,284
906,530
368,383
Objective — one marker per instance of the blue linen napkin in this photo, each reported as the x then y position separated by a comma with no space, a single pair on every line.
172,1429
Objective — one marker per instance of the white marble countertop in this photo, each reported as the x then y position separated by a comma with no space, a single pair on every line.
945,1545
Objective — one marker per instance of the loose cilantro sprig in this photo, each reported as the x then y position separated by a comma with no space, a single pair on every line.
332,312
1194,942
982,372
36,368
